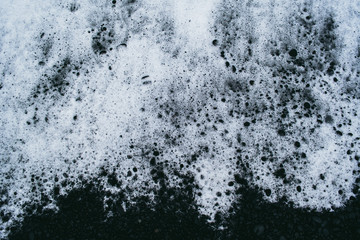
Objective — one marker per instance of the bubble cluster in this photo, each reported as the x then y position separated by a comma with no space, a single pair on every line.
282,86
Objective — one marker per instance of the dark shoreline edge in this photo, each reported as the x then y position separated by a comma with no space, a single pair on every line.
174,215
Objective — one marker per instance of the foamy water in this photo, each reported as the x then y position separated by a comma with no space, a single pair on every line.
266,91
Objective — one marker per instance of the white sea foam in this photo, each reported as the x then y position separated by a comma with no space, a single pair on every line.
77,98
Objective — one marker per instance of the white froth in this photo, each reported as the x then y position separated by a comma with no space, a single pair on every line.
112,100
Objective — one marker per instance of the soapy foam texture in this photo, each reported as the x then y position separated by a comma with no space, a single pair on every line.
202,98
